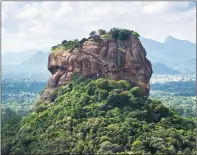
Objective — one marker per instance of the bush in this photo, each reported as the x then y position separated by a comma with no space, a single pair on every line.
106,36
135,34
71,44
53,95
115,33
120,34
124,35
136,91
66,45
92,33
54,47
77,78
64,42
101,32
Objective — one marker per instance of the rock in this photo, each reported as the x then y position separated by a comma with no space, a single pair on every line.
106,60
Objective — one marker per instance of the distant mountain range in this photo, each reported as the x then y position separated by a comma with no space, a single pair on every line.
15,58
174,53
38,60
159,68
174,56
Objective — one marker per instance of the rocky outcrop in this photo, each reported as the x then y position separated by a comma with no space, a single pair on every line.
112,59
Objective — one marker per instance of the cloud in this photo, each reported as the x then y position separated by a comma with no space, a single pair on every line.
35,25
154,7
3,15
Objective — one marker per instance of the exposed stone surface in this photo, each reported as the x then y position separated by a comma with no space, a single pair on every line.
111,59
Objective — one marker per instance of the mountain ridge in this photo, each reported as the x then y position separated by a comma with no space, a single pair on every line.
160,68
39,59
155,53
174,53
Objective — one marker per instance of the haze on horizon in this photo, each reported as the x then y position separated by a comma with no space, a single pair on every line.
36,25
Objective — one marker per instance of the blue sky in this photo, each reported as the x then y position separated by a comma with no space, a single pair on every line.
36,25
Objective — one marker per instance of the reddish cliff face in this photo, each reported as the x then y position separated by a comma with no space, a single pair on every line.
109,59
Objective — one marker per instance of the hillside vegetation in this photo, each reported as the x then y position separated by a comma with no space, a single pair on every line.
98,117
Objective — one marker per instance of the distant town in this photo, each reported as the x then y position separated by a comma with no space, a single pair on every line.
164,78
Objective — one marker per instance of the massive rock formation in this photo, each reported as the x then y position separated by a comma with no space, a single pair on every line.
112,59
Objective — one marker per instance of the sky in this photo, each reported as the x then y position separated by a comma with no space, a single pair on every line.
36,25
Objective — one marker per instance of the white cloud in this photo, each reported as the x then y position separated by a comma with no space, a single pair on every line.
154,7
42,24
29,11
64,9
3,15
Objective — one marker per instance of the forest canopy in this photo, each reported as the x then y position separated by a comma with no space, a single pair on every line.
98,117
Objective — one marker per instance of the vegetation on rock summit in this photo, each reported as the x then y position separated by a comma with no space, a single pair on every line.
114,33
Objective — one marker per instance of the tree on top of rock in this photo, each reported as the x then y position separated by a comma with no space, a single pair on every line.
124,34
101,32
93,33
64,42
115,33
